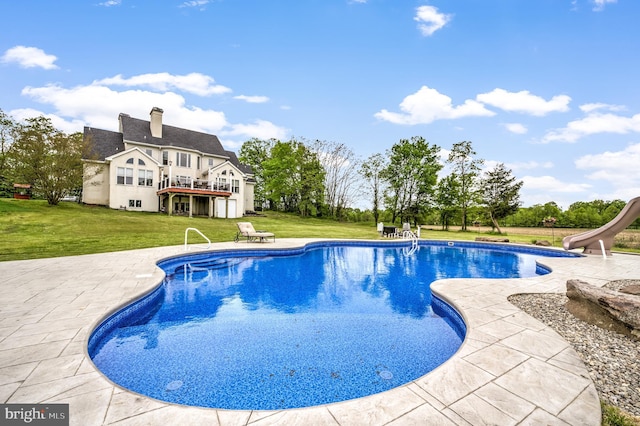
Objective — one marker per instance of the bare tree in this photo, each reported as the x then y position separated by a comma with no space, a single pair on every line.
341,175
371,169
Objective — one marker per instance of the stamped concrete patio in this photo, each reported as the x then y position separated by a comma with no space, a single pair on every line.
511,369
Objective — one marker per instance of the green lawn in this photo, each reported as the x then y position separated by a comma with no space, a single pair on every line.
31,229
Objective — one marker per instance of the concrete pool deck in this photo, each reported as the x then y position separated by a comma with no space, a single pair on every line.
511,368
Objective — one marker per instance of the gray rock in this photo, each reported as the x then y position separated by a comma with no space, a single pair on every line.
598,303
631,289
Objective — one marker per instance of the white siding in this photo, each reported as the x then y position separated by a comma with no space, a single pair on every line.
95,187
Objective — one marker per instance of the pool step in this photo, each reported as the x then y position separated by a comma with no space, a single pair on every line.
210,264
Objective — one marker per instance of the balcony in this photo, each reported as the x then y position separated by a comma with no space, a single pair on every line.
193,186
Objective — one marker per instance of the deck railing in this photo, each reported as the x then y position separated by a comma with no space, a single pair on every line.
196,184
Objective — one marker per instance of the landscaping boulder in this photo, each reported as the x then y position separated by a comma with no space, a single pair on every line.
631,289
605,308
492,239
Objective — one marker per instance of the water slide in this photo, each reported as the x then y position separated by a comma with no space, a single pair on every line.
590,240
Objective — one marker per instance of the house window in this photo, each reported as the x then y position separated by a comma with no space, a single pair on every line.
165,158
210,162
149,152
124,176
135,203
141,163
130,161
145,177
198,162
183,159
235,185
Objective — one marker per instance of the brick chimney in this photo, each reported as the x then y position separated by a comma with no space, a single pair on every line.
156,122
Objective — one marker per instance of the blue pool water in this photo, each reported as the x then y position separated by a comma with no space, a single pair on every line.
281,329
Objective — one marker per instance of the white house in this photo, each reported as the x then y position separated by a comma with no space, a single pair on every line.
149,166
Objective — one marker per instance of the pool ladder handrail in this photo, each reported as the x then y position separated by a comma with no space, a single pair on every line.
408,234
186,233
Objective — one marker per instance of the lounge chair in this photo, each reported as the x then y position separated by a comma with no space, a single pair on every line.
245,229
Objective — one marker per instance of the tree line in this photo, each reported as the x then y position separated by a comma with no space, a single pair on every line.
409,182
323,178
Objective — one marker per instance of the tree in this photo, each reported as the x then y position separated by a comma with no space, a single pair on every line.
254,153
47,159
312,178
8,133
294,178
446,197
341,175
466,170
612,210
371,169
583,214
411,175
500,194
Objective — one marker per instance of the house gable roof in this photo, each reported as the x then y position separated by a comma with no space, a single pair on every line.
104,143
136,130
129,152
233,159
107,143
224,166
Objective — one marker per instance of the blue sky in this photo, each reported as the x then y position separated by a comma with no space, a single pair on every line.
548,87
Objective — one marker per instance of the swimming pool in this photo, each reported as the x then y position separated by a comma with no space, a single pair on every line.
279,329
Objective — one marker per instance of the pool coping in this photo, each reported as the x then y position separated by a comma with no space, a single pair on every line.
510,369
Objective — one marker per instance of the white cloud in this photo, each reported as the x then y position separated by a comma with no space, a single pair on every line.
529,165
76,107
553,185
594,123
428,105
543,189
260,129
66,126
110,3
80,103
600,4
516,128
195,3
252,99
430,20
524,102
29,57
587,108
196,83
619,166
